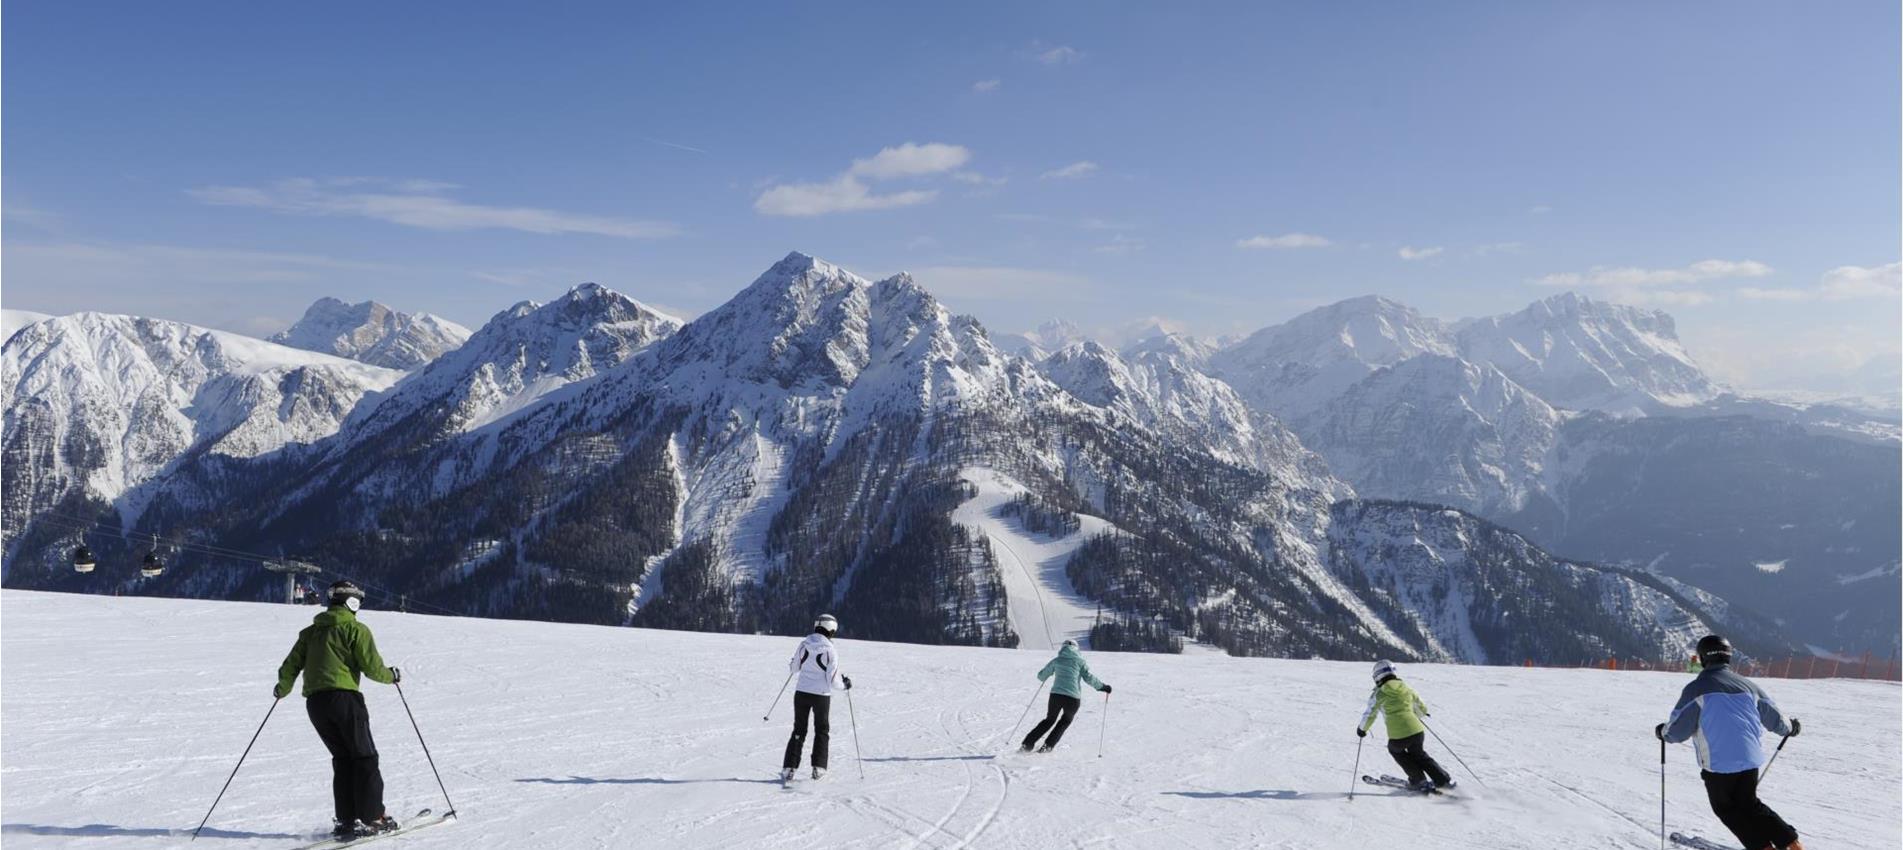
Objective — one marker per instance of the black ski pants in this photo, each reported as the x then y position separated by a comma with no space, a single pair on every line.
356,784
1057,717
1734,799
1411,754
821,708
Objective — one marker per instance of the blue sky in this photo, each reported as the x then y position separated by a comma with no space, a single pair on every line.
1224,166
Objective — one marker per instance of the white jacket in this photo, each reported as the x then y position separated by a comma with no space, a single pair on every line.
817,662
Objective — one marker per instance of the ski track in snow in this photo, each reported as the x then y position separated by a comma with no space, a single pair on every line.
123,717
1043,605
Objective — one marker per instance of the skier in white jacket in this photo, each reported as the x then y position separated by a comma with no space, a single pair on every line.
817,663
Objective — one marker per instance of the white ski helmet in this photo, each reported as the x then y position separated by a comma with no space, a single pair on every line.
1383,669
1070,642
828,624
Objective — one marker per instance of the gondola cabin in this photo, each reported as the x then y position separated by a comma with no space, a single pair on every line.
153,566
83,560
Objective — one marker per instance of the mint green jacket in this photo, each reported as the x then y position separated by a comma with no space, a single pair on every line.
1068,668
333,653
1399,702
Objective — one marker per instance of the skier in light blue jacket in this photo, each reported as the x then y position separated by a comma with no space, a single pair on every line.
1723,714
1067,671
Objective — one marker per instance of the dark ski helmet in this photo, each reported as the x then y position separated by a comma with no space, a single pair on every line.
347,594
1714,650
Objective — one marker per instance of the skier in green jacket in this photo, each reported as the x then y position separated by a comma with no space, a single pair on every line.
333,654
1069,669
1406,733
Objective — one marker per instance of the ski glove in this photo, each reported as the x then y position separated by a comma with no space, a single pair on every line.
847,680
1659,731
1796,727
1360,732
395,675
278,692
1105,689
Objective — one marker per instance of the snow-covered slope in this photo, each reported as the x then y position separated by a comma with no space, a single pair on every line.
1038,343
1294,369
575,736
1160,387
1439,429
97,404
373,333
1582,354
522,354
13,320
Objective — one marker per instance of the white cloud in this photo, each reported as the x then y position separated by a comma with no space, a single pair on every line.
1409,252
1846,282
990,85
848,193
1843,283
1286,240
842,194
1060,55
1070,172
976,179
1002,283
911,160
1630,277
420,204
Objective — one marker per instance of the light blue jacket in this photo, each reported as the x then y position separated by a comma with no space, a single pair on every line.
1723,714
1068,667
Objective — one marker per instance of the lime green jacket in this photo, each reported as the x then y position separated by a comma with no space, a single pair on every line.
1399,702
333,653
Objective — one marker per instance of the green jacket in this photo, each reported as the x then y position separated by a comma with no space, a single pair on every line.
333,653
1399,702
1068,667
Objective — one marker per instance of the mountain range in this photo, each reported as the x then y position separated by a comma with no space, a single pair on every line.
1360,480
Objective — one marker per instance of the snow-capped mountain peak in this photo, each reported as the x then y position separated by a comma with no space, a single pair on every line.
1294,368
373,333
1590,355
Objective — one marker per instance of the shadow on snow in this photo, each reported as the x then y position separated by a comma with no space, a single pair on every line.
106,830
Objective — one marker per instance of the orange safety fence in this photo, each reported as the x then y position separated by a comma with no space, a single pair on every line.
1868,666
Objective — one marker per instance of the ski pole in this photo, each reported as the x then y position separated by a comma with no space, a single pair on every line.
854,716
1355,776
776,698
1661,793
419,739
234,769
1450,751
1773,760
1104,725
1027,712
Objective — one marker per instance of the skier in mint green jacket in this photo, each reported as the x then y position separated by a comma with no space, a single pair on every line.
1067,672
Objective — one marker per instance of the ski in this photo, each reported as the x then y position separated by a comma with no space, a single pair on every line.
420,820
1693,841
1397,782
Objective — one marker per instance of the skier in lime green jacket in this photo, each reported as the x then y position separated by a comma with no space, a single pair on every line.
1406,733
333,654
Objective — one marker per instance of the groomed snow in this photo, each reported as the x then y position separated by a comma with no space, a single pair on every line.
123,716
1043,605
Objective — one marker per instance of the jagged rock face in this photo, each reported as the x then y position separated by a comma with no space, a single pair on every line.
1440,429
98,405
1581,354
1466,589
1294,369
372,333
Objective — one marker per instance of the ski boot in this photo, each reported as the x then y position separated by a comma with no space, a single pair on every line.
1025,748
1449,785
819,772
786,775
343,831
1044,749
380,825
1424,786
